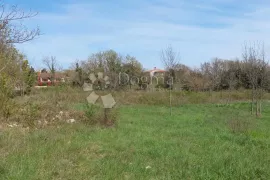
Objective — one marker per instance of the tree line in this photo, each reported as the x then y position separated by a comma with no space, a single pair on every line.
251,71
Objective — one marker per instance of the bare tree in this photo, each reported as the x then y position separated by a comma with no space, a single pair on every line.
255,66
170,59
212,72
196,80
11,28
228,78
52,65
13,31
205,70
216,71
231,83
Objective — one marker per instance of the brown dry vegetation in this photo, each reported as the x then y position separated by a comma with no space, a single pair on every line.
56,105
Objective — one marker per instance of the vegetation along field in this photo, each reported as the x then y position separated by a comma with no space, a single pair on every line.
108,117
199,141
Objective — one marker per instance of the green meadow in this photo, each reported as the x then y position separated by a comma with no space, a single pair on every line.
199,141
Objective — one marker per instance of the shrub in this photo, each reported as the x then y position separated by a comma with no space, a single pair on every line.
240,125
30,114
111,116
6,92
91,111
97,115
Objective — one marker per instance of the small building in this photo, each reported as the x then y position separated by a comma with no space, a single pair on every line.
154,76
45,79
156,72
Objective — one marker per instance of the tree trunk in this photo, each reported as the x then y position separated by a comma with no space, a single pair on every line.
170,101
257,108
260,107
230,94
260,101
211,94
229,98
252,102
106,116
221,94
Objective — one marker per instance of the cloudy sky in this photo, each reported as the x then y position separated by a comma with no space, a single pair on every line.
199,30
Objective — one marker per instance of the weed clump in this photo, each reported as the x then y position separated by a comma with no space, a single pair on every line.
240,126
95,114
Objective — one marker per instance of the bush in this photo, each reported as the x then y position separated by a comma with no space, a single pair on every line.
6,92
30,114
97,115
111,116
6,107
91,111
240,126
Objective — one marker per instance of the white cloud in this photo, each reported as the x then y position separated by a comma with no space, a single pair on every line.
81,29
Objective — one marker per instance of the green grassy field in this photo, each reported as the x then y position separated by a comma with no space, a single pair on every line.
197,142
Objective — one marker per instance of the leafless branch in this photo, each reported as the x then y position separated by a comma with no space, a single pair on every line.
169,57
12,32
50,63
3,68
256,68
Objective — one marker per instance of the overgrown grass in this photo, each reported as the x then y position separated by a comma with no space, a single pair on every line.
183,97
44,106
197,142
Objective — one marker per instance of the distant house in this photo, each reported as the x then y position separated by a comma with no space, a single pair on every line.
156,72
45,79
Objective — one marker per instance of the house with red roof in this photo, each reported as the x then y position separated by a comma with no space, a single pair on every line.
45,78
156,72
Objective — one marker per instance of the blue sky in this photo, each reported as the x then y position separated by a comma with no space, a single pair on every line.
199,30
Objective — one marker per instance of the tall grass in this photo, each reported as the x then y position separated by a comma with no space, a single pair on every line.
45,104
197,142
182,97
